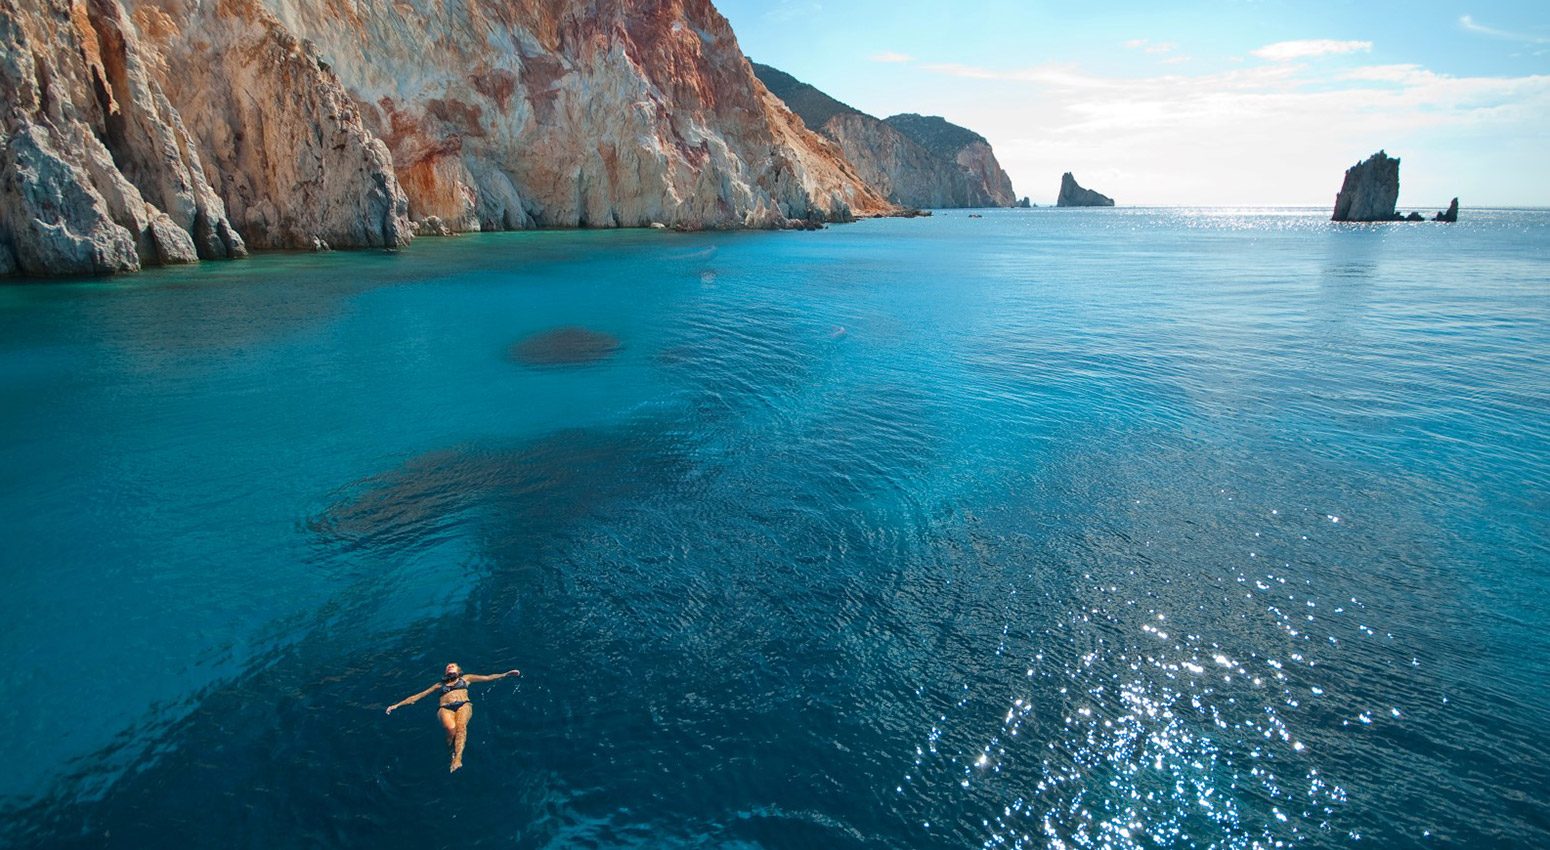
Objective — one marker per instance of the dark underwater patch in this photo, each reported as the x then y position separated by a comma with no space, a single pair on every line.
571,345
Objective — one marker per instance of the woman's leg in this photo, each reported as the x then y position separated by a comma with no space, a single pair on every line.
449,723
464,712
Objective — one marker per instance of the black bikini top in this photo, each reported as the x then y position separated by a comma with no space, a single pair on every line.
460,685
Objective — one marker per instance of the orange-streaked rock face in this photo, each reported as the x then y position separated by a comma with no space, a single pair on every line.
573,113
278,134
312,122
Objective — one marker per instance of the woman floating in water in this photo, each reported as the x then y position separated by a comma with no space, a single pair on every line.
455,709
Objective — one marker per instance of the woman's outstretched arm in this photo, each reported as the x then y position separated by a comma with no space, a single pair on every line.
411,700
491,678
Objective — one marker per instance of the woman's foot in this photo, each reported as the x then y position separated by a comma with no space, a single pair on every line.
456,763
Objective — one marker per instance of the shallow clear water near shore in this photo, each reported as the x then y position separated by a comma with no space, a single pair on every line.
1117,527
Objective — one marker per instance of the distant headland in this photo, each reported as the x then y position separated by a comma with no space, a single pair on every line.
913,160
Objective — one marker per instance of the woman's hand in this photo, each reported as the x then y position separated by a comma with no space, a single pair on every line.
390,709
512,673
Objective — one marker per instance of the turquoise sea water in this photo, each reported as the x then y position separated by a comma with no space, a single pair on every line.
1109,528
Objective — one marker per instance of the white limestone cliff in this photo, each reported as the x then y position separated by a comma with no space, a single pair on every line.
97,172
153,131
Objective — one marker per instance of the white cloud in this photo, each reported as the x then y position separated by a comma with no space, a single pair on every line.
1286,51
1053,76
1156,48
952,69
1468,22
890,56
1172,133
1401,74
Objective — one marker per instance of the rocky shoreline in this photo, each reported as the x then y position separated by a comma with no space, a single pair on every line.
137,133
149,132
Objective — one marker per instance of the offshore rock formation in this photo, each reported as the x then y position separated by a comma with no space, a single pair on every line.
97,172
128,138
1370,190
960,171
1073,195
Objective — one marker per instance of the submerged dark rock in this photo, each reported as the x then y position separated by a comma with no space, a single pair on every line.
1073,195
567,346
1451,214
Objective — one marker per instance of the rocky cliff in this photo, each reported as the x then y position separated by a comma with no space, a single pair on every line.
280,136
97,172
1370,190
988,184
576,113
898,168
1073,195
891,159
812,105
327,122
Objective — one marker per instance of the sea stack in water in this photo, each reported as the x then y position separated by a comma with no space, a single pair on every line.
1073,195
1370,190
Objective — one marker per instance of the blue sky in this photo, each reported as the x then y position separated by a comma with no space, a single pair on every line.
1246,102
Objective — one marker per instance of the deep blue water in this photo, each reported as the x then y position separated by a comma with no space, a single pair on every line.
1111,528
